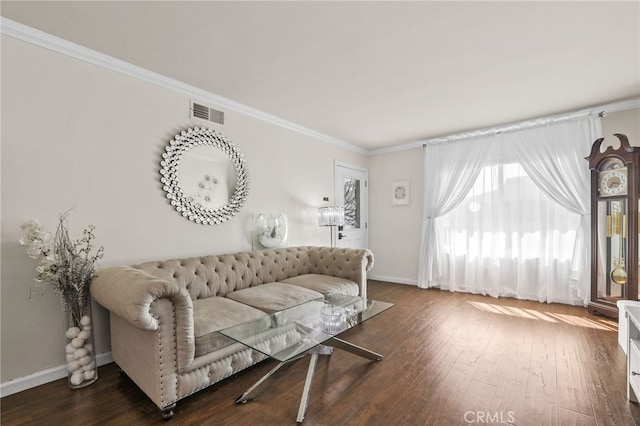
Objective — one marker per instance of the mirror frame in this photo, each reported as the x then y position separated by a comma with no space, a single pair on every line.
169,177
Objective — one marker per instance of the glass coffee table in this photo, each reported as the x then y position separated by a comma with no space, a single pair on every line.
310,328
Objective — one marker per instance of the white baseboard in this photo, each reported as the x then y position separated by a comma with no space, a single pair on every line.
45,376
393,279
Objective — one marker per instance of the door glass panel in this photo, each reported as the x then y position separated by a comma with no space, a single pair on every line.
351,203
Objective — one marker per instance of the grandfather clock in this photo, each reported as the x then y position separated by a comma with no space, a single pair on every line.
615,185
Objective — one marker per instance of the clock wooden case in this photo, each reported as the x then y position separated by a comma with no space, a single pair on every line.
615,185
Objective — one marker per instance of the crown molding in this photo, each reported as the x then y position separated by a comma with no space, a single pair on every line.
65,47
618,106
395,148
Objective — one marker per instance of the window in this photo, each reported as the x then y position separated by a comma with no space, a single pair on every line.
506,233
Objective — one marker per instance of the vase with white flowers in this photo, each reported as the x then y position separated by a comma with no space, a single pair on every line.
67,267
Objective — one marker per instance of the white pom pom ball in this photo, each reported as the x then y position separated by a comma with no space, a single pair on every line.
72,332
89,366
79,353
77,343
89,374
77,378
73,366
85,320
84,334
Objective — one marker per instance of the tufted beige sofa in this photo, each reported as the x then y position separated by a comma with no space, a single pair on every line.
165,315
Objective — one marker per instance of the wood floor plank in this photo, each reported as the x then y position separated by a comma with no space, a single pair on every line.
446,355
467,345
412,404
571,418
573,392
478,397
518,341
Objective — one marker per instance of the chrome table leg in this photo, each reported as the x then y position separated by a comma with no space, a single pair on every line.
245,395
354,349
304,401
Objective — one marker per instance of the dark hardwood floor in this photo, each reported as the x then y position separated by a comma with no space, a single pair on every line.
450,359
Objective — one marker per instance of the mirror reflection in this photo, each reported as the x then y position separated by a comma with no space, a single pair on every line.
207,176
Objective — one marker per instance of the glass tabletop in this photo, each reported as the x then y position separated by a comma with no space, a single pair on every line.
289,333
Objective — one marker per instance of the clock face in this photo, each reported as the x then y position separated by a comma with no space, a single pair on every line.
613,182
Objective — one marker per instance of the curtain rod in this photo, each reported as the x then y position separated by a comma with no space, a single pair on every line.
496,130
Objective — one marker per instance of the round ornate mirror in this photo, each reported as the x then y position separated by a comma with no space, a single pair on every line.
204,176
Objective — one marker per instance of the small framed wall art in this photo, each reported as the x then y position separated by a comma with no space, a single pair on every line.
401,194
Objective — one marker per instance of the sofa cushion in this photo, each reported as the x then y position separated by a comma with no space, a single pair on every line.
325,284
213,314
273,297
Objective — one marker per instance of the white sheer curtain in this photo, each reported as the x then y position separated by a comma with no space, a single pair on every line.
450,170
554,158
515,222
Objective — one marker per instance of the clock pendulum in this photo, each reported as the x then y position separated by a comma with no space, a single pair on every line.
618,274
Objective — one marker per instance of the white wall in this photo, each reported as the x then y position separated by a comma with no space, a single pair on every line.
75,135
624,122
395,230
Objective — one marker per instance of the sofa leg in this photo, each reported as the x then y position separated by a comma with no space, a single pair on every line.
167,412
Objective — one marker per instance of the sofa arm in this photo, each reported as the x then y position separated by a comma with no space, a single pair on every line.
129,293
347,263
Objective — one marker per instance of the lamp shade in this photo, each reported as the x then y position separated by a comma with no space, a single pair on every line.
331,216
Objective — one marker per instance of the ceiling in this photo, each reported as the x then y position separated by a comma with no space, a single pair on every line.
371,74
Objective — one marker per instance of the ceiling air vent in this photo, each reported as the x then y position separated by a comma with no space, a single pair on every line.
204,112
